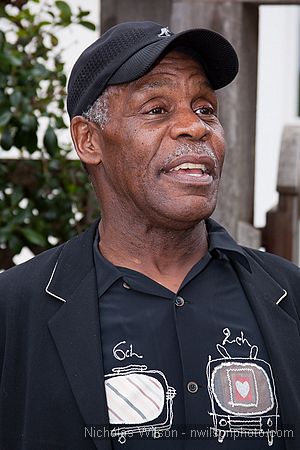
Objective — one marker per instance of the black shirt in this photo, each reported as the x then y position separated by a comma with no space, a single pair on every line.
190,368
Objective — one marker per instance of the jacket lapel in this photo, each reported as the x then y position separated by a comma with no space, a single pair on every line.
272,307
75,329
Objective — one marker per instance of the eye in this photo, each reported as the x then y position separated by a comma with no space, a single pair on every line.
205,110
157,110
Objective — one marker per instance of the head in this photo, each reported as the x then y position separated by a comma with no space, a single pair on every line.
153,145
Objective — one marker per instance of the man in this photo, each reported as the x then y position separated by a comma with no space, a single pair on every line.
153,329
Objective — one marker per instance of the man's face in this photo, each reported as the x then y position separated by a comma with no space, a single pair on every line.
163,145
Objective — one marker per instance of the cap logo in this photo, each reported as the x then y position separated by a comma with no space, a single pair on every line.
164,32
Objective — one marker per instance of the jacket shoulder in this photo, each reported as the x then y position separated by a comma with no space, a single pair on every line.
276,266
31,273
31,278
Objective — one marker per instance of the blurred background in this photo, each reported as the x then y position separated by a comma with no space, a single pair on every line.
45,197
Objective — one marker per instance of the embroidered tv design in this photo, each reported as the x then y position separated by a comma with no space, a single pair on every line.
242,393
139,401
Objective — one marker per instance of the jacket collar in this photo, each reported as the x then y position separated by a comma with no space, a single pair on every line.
74,263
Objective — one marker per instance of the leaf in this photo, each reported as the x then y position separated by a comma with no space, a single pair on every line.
16,196
83,13
2,97
33,236
6,140
5,233
59,66
5,118
24,40
43,23
54,40
59,122
54,164
15,244
16,98
13,60
30,141
65,10
2,40
50,141
39,71
88,25
29,122
18,140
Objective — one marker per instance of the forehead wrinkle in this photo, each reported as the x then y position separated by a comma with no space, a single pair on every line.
153,84
167,82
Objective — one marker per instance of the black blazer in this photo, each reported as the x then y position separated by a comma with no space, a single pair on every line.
52,380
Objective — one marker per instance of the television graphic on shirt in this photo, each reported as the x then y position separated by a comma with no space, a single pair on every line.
242,392
139,401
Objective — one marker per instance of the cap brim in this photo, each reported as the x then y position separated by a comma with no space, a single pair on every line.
219,58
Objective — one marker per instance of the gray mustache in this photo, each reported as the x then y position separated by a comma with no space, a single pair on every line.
187,149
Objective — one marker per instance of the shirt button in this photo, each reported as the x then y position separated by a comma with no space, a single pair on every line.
192,387
179,301
126,285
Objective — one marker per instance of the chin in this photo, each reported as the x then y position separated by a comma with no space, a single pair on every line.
186,215
197,209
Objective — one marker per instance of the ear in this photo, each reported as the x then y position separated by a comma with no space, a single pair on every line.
87,140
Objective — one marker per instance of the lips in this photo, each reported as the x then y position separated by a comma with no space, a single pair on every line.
191,168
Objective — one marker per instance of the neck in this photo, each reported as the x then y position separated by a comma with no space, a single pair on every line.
162,254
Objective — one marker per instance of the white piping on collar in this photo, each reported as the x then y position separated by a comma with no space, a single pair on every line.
49,282
282,297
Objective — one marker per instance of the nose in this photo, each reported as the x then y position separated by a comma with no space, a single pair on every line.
187,124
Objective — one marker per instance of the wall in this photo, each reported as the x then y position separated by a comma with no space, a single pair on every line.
278,75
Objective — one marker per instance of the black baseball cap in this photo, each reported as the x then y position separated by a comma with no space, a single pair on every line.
129,50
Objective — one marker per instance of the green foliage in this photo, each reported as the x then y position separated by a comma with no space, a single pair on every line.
45,197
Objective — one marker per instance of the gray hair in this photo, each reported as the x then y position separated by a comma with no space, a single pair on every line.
99,111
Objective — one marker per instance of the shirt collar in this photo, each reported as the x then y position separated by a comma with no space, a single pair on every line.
108,273
220,239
